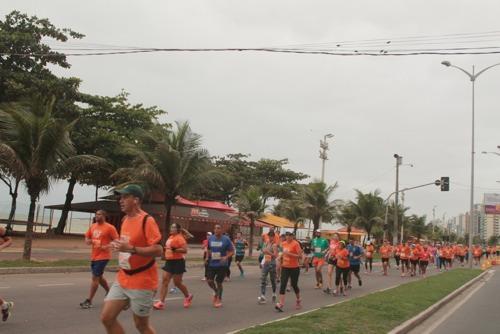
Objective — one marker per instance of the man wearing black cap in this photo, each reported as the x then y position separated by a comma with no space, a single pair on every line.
137,279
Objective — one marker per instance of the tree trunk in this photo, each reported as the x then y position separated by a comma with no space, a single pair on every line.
28,239
316,223
250,241
295,227
61,225
165,228
349,232
13,206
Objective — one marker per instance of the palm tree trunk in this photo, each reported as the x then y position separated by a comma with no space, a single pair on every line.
316,223
250,240
349,232
61,225
28,239
13,205
165,228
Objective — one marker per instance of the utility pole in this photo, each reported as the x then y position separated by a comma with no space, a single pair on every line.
403,215
433,218
323,145
399,161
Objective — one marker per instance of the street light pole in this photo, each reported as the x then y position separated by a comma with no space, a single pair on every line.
323,145
399,161
403,215
472,76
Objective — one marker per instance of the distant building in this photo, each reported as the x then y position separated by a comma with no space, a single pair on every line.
490,216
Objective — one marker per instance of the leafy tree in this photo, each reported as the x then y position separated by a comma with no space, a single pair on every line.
39,145
271,176
251,202
103,128
25,57
172,163
316,198
493,240
368,210
11,176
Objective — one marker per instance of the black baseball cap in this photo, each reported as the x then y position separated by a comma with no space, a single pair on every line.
131,189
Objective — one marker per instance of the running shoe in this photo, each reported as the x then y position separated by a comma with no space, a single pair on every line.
261,300
188,300
274,298
327,291
298,304
349,287
86,304
242,274
279,307
159,305
218,303
6,311
360,282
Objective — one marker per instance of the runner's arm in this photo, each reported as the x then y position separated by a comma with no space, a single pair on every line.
7,242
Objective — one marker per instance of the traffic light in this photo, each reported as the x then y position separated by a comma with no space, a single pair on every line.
445,183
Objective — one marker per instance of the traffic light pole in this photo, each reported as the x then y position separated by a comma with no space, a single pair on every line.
436,183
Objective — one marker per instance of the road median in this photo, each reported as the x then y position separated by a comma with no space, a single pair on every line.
378,312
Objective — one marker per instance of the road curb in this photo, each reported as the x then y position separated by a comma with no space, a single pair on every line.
74,269
412,323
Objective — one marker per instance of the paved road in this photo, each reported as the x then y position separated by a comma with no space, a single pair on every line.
476,310
48,303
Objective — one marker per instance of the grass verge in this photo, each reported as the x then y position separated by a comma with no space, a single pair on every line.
375,313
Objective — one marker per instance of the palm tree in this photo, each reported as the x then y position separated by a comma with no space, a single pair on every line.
293,210
316,199
251,203
346,217
416,226
368,210
172,163
39,146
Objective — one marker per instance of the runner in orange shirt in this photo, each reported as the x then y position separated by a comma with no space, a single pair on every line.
405,258
450,256
461,254
477,252
330,255
342,268
175,266
397,254
99,235
369,250
290,269
414,255
137,280
425,257
418,250
385,254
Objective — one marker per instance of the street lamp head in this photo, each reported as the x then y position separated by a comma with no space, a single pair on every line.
329,135
446,63
396,155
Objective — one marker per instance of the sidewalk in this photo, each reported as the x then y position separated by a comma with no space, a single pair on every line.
61,248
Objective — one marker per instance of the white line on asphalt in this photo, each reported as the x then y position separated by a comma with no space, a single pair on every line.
4,287
457,306
55,284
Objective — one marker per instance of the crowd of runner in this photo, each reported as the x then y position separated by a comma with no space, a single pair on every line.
282,260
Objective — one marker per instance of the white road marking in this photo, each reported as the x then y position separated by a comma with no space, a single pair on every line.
457,306
4,287
55,284
175,298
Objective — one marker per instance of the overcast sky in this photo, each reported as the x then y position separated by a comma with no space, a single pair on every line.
280,105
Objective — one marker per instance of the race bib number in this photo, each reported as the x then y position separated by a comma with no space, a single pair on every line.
123,260
216,256
317,249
